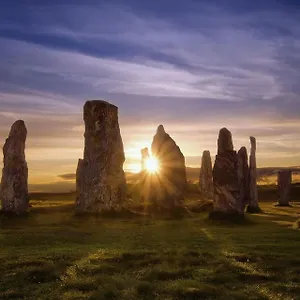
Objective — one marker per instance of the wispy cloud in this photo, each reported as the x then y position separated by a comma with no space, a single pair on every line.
195,70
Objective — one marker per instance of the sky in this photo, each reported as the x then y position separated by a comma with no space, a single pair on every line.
193,66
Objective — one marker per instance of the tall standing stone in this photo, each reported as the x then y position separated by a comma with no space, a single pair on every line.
100,179
284,180
226,179
206,180
168,186
14,183
243,174
253,206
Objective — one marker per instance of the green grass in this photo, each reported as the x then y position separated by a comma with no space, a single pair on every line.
53,254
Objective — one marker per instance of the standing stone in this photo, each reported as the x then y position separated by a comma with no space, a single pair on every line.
14,183
100,179
226,179
225,143
205,180
284,180
145,177
243,174
253,206
169,184
145,155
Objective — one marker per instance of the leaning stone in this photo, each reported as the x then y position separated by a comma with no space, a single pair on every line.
205,180
14,183
226,180
169,184
284,181
100,179
243,174
253,206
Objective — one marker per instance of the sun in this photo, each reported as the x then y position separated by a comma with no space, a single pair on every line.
152,164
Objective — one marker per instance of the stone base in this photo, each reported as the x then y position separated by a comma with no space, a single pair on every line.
234,217
10,214
253,210
283,205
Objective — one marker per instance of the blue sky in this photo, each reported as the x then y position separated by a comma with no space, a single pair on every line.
194,66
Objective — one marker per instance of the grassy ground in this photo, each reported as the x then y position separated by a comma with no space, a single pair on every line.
52,254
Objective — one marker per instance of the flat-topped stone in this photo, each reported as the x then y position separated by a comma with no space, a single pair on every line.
100,178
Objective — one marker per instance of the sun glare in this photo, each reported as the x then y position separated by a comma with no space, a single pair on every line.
152,165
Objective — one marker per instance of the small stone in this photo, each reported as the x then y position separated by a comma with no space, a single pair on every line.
145,155
253,206
206,180
284,181
14,183
243,174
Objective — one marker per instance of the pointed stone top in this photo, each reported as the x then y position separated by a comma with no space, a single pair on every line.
224,141
145,152
160,130
18,129
242,151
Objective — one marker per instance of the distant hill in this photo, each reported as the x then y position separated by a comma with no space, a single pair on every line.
66,182
266,175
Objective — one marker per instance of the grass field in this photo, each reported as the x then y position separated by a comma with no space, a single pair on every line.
53,254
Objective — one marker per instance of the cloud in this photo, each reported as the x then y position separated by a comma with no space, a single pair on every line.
69,176
194,70
52,187
228,59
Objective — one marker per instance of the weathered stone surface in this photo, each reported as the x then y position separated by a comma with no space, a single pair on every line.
168,185
100,179
243,174
224,141
253,201
14,183
284,180
205,180
145,155
225,177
